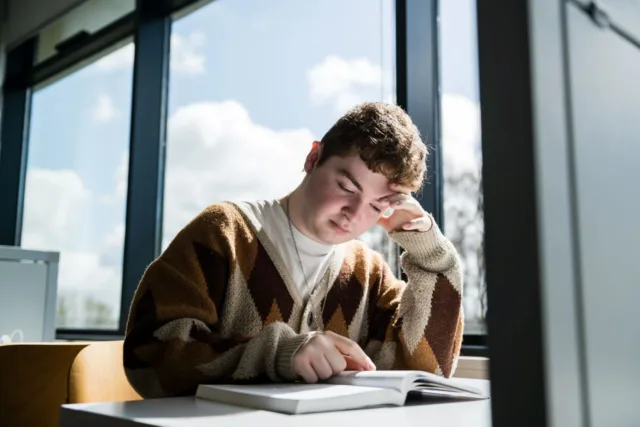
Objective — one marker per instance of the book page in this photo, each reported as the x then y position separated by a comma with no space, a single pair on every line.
427,381
402,381
396,380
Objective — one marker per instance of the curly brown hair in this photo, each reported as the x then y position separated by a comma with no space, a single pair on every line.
386,139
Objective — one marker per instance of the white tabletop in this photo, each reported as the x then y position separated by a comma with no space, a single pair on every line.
192,412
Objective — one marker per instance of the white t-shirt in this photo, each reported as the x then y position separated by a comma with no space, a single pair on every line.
315,256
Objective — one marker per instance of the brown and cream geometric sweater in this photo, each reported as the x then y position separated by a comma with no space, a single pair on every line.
220,306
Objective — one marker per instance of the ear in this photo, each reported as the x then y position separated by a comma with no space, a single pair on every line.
313,157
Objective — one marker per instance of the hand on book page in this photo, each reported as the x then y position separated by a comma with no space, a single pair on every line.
327,354
297,398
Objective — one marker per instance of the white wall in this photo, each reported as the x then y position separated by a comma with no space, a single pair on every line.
25,17
587,175
605,103
90,16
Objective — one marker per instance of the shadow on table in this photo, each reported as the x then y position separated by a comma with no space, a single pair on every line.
178,408
417,398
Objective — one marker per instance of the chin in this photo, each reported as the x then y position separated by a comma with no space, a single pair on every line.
328,239
332,235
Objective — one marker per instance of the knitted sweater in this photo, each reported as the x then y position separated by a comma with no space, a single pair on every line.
219,306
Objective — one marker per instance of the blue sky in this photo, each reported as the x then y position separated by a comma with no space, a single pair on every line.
267,51
257,54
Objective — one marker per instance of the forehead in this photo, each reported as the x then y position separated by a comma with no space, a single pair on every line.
373,183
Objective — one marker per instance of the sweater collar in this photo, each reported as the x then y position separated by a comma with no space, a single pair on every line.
306,245
330,276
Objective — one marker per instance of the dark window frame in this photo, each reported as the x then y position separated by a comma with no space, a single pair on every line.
150,26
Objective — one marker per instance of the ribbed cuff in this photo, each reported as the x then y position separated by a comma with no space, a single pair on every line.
287,348
419,243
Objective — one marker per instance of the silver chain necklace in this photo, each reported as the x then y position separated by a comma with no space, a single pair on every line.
313,317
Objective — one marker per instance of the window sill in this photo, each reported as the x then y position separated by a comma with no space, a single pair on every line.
474,350
88,335
472,367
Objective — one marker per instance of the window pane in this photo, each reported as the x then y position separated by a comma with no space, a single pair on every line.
254,83
461,151
76,186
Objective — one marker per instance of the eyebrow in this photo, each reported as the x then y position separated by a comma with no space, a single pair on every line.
355,182
351,178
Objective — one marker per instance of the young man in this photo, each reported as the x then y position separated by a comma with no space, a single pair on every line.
280,290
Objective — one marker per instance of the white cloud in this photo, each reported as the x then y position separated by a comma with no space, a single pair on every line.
462,161
54,203
104,110
117,60
345,83
84,272
115,239
216,152
121,177
57,218
460,134
111,251
186,54
186,58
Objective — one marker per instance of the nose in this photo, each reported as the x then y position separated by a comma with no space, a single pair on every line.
353,210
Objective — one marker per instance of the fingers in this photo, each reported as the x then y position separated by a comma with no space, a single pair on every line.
352,365
387,213
336,360
404,202
420,224
324,361
395,199
327,354
307,372
321,366
325,365
399,188
350,348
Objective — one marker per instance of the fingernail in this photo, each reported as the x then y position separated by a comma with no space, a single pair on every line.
371,364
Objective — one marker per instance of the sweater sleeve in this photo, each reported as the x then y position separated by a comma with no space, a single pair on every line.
418,325
173,341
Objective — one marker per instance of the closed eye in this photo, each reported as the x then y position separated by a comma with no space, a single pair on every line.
344,188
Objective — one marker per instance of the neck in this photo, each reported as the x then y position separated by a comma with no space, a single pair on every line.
294,203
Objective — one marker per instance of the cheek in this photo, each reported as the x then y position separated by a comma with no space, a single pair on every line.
328,197
367,222
323,201
329,204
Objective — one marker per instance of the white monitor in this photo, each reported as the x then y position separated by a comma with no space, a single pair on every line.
28,290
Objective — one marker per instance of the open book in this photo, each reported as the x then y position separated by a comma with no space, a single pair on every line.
348,390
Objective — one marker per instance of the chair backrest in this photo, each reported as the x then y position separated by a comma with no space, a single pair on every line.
97,375
34,382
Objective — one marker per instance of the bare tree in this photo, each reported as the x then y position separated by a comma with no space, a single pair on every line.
63,311
378,240
482,285
98,313
464,221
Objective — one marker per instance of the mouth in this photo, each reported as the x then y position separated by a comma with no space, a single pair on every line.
338,228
